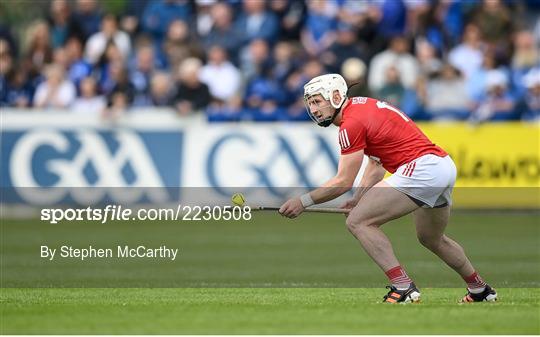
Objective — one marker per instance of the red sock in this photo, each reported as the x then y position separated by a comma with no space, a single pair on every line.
398,277
475,282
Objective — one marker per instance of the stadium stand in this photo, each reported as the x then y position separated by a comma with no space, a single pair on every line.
248,60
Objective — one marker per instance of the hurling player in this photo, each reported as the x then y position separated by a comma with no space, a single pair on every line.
423,176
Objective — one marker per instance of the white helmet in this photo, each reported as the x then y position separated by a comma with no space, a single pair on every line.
325,85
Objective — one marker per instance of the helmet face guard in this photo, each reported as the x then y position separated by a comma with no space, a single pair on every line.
325,85
321,121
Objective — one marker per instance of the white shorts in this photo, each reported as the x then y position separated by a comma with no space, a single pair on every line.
429,179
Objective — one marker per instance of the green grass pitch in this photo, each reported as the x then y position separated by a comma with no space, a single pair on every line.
262,311
266,276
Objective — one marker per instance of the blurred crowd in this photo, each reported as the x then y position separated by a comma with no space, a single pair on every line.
232,60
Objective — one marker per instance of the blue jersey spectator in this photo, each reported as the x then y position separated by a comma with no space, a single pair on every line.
320,26
497,103
159,14
344,47
15,89
87,17
255,22
78,68
529,105
223,33
393,17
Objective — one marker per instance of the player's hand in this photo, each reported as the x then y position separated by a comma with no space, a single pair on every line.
349,204
291,208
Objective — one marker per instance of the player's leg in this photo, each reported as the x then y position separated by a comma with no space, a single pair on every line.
379,205
430,226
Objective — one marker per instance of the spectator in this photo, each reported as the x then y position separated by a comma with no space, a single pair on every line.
221,76
494,20
446,95
428,61
497,104
179,45
224,81
141,74
118,104
396,55
192,95
159,14
108,79
104,68
529,105
476,83
88,17
7,36
60,57
56,92
453,19
345,46
97,43
15,89
223,32
311,69
6,66
365,17
415,9
131,21
203,20
255,58
38,47
526,51
78,68
290,15
61,23
431,28
89,103
525,57
393,89
264,98
319,30
352,13
392,17
120,97
161,94
255,22
467,56
284,61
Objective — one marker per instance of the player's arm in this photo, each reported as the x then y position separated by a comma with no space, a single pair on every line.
372,175
348,167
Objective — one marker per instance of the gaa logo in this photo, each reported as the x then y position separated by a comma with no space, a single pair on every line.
270,160
47,166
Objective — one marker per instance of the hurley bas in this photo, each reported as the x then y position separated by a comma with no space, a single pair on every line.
163,252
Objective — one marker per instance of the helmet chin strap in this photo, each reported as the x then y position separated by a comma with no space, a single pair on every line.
327,122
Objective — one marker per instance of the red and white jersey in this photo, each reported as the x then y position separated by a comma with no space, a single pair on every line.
383,132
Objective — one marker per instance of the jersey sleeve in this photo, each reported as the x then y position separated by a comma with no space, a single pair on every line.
352,138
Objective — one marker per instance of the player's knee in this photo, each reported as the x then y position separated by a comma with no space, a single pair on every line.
352,223
357,225
430,242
